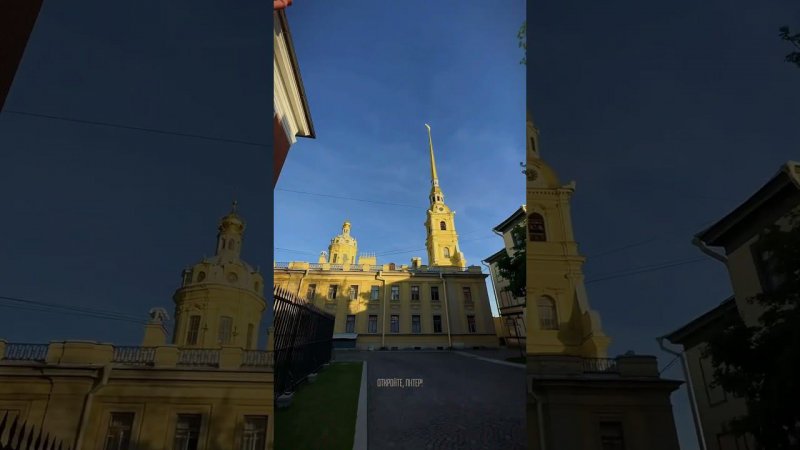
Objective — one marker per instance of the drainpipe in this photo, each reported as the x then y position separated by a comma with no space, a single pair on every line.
101,381
704,248
494,288
300,284
540,421
446,310
383,321
698,426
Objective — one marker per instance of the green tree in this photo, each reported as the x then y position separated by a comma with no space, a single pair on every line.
512,268
761,363
794,39
522,35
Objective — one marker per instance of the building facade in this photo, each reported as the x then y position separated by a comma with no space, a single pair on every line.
442,304
578,398
291,118
734,241
511,324
208,386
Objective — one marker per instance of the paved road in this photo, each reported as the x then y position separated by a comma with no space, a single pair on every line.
463,403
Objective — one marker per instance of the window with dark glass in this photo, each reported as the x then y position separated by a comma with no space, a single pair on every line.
118,435
467,295
194,330
332,291
250,335
471,324
225,330
437,324
395,292
375,293
548,319
442,225
335,258
373,324
353,292
395,324
446,252
311,291
254,433
536,229
414,292
350,325
611,436
416,326
187,276
187,432
435,293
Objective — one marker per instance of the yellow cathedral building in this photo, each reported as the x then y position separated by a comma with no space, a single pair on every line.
209,386
578,398
444,304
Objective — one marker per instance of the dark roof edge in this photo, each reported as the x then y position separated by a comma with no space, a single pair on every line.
679,335
511,219
296,69
495,256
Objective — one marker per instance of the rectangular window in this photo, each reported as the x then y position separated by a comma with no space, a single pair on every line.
437,324
435,293
395,292
471,324
467,295
118,436
373,324
250,335
415,324
354,292
311,291
194,330
187,432
225,330
187,276
332,292
414,292
611,436
350,325
254,434
375,293
395,323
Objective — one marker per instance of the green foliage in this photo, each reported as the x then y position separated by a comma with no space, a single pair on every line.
522,35
794,39
512,268
761,363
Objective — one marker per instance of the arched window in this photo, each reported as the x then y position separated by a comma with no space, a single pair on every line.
223,244
536,230
446,252
231,244
442,225
335,258
548,319
392,266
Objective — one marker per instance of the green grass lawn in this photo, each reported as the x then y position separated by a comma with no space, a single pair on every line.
517,359
322,415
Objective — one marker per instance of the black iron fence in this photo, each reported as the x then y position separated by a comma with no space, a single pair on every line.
303,339
15,434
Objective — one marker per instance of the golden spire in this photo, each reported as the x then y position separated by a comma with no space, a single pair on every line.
434,178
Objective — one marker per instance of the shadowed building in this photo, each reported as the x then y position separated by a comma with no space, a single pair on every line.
577,397
510,325
292,118
751,273
209,387
440,305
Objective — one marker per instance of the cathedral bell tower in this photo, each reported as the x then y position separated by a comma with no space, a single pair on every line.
442,239
343,248
558,317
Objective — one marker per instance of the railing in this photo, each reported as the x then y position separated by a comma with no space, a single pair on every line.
25,352
315,266
600,365
199,357
303,341
281,265
258,358
376,268
138,356
337,267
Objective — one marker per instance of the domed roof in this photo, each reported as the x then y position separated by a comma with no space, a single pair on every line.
232,222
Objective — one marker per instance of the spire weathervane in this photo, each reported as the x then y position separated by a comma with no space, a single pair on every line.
234,206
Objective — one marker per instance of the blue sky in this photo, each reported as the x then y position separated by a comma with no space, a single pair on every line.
667,116
107,218
375,73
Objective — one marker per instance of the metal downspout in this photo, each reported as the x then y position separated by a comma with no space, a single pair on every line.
102,380
540,421
698,426
383,320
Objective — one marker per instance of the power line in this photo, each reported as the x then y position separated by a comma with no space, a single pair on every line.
134,128
669,364
347,198
34,305
648,269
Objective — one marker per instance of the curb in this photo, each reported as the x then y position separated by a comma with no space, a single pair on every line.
360,437
496,361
